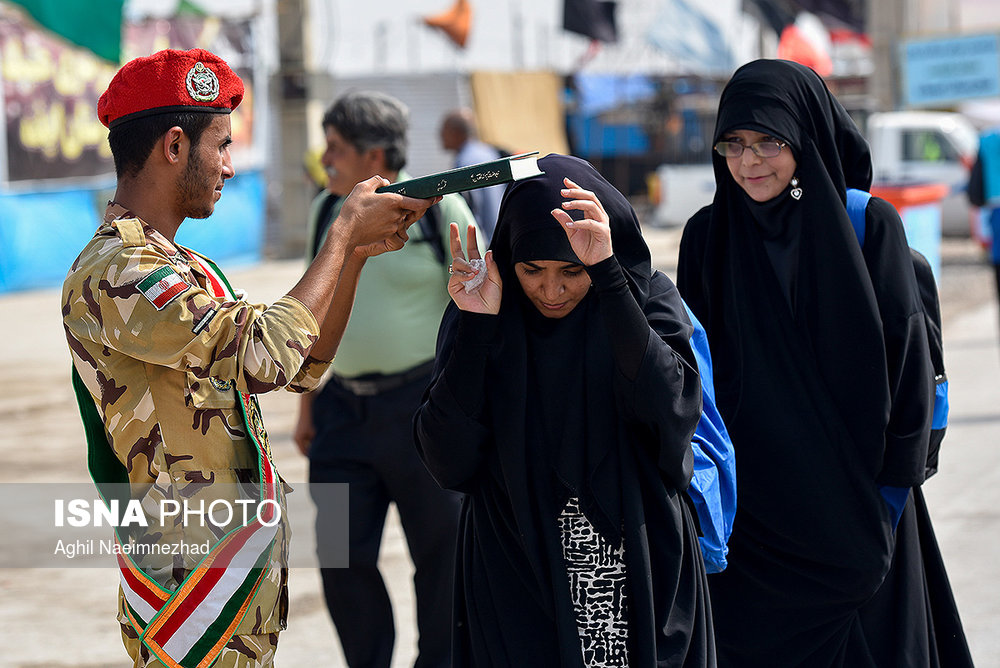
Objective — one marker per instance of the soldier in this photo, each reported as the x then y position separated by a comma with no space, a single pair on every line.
167,357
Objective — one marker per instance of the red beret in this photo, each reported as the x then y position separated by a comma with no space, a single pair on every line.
170,81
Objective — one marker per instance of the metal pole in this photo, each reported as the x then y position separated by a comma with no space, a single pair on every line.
381,45
413,45
291,194
517,35
885,25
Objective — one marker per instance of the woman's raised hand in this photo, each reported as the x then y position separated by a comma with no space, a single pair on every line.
590,238
485,298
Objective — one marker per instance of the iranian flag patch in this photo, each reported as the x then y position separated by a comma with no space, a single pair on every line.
162,286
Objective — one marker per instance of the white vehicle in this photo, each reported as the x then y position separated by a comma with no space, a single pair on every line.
680,190
926,147
908,147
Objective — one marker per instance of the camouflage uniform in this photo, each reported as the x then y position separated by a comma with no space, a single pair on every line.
163,375
242,651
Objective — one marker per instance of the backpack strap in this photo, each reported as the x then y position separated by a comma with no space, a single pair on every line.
430,226
323,220
857,202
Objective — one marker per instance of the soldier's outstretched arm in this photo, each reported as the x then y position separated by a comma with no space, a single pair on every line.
366,218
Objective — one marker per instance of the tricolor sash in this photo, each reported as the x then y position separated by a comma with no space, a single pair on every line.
189,627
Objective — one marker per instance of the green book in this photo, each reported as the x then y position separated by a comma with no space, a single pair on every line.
513,168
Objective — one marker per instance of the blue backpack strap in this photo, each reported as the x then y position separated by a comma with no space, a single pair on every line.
713,486
857,202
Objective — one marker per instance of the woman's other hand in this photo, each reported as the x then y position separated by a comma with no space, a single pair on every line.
590,238
486,298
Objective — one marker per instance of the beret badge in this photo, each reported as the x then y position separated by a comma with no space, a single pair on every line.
202,84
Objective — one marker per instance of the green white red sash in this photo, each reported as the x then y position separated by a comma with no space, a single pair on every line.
189,627
217,283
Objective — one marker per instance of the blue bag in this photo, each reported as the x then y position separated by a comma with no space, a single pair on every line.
895,497
857,202
713,486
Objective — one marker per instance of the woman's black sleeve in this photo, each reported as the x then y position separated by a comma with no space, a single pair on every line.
449,427
911,374
657,382
691,261
626,323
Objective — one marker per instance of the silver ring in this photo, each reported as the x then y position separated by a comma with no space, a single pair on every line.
451,269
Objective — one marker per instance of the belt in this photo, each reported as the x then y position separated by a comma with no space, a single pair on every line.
369,385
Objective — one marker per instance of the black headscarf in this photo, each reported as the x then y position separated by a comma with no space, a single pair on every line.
524,411
529,229
556,368
818,356
809,246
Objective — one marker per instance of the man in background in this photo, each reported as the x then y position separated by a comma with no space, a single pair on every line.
358,429
459,135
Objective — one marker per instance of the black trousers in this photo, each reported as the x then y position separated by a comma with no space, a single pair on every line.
367,442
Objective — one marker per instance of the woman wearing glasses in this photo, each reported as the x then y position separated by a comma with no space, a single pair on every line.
823,377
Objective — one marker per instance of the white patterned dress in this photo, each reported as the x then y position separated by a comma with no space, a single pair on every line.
596,571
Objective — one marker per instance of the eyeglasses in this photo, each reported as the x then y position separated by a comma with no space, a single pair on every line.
762,149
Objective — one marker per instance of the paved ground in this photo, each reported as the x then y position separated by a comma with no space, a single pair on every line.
65,617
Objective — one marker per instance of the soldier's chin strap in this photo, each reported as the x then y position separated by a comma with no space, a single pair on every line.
190,626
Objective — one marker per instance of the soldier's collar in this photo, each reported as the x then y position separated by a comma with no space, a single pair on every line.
114,211
140,232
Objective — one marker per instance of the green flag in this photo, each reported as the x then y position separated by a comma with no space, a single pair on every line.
95,25
188,8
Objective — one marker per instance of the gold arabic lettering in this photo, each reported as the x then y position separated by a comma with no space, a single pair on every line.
49,130
482,176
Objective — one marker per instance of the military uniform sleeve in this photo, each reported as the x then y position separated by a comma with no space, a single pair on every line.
145,309
310,375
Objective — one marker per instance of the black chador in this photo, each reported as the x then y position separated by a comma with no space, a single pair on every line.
572,439
823,377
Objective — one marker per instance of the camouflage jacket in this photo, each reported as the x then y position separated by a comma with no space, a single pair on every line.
161,356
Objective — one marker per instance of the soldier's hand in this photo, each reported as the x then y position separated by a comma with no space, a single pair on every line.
368,217
393,243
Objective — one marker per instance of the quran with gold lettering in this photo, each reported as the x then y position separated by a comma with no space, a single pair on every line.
513,168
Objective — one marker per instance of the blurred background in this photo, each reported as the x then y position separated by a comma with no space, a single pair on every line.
630,86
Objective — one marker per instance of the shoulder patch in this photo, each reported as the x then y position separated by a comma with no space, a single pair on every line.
161,286
130,230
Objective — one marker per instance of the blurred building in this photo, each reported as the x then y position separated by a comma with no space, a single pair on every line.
638,92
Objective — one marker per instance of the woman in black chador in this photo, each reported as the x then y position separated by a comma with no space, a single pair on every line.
823,377
563,405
